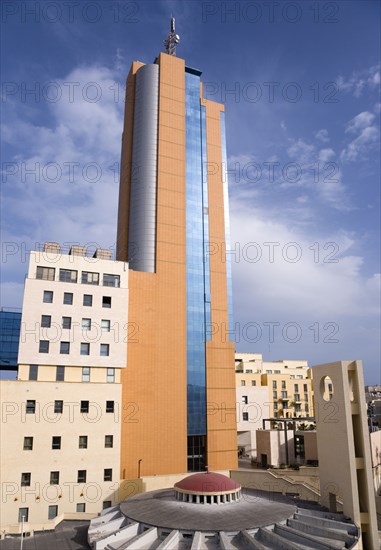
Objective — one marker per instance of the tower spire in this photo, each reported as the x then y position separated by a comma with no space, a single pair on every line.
172,39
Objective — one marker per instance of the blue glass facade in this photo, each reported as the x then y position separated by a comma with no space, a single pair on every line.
10,323
197,263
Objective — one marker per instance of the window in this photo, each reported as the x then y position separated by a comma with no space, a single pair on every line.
106,504
274,384
56,442
253,382
84,407
25,479
285,404
48,297
52,511
87,300
81,477
33,372
296,388
296,397
85,370
306,408
106,301
23,514
64,348
44,346
58,407
85,350
28,443
283,394
109,441
82,442
86,324
54,478
275,406
276,371
111,375
46,321
245,417
107,475
275,394
60,373
306,397
244,399
109,406
30,406
283,384
105,350
243,383
111,280
305,388
68,298
66,322
68,276
81,507
46,273
298,407
90,278
105,324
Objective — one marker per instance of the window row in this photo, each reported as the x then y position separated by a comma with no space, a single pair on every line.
23,513
104,349
58,406
253,383
26,477
56,442
66,323
68,298
71,276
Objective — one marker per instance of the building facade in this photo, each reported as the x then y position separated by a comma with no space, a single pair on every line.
173,229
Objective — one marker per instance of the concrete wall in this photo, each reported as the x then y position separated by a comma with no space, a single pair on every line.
257,408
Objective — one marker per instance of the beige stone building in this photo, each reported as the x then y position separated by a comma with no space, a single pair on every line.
60,424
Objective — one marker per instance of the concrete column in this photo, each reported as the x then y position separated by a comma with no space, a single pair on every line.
223,498
218,499
197,499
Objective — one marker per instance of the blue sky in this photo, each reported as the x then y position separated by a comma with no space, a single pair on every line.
300,81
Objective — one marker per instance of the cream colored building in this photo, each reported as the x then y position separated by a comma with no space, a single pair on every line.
61,420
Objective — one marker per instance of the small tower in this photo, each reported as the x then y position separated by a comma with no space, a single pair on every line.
172,39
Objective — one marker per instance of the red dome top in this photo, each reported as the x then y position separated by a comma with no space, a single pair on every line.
207,482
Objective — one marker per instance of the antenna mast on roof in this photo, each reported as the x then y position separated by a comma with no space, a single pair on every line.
172,39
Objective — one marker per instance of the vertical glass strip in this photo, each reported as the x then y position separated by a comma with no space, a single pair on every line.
227,226
208,321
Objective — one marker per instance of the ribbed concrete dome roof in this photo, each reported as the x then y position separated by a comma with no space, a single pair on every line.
207,483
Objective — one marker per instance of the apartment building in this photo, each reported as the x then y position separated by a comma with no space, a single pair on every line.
61,419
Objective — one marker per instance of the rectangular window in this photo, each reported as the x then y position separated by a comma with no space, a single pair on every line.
107,475
274,384
90,278
86,324
85,370
298,407
111,375
31,406
44,346
60,373
23,515
68,276
244,399
81,507
253,382
58,406
66,322
46,321
68,298
305,388
84,407
54,478
87,300
25,479
46,273
285,404
105,350
48,297
243,383
283,394
105,324
81,477
28,443
296,397
52,511
306,408
109,441
33,372
85,350
275,406
56,442
275,394
296,388
109,406
106,504
106,301
64,348
82,442
111,280
245,417
306,397
283,384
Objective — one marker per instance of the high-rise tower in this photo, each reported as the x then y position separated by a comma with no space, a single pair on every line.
173,229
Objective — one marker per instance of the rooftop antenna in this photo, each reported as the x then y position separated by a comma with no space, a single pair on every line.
172,39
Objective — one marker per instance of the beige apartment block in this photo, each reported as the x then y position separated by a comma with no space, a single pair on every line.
253,407
344,445
61,419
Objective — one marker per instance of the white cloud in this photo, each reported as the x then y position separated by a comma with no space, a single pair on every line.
368,137
322,135
326,155
360,121
360,81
